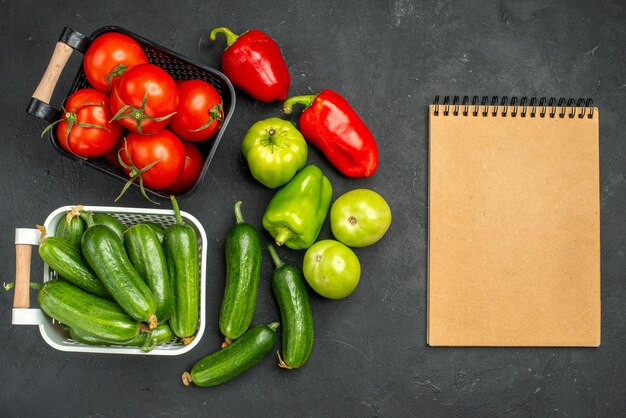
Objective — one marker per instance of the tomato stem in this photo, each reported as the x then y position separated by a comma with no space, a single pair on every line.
116,72
49,127
215,113
139,114
135,173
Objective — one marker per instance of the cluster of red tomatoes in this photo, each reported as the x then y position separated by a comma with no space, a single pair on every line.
162,117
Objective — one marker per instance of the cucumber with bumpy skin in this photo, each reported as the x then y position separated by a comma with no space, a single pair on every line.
239,356
69,263
76,308
110,221
181,252
147,256
295,312
147,340
106,255
71,227
157,229
243,273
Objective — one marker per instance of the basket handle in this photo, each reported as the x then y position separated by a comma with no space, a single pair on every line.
25,238
39,105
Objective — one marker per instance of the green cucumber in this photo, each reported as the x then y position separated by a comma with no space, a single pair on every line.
69,263
147,256
239,356
112,222
295,311
71,228
243,272
160,335
76,308
105,253
181,252
157,229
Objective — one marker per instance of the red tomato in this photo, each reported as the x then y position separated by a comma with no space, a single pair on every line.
84,129
191,170
108,56
156,159
145,99
200,112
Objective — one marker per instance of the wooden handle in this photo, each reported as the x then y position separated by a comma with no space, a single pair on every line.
21,298
50,78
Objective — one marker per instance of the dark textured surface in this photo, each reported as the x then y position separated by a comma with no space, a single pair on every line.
370,358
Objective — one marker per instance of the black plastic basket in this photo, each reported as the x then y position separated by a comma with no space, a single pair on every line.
179,67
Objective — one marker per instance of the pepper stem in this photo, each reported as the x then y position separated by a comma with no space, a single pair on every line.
305,101
230,36
277,261
179,218
283,235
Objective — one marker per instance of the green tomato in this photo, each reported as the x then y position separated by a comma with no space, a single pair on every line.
360,217
275,151
331,269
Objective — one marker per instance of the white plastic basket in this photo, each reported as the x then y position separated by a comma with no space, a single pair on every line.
52,331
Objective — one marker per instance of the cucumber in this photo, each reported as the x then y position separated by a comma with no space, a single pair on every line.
147,256
243,262
157,229
227,363
295,311
181,252
112,222
71,228
106,255
76,308
147,340
69,263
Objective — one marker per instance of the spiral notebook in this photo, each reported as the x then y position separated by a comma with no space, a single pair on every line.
514,223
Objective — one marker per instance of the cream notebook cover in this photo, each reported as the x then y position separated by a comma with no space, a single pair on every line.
514,223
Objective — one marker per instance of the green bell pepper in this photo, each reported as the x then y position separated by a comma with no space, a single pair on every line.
296,213
275,151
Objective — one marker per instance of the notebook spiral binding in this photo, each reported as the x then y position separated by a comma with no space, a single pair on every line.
529,107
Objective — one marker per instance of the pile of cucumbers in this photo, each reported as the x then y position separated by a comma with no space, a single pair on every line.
140,286
135,286
245,346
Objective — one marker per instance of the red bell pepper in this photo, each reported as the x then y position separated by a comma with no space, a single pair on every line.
254,63
330,123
